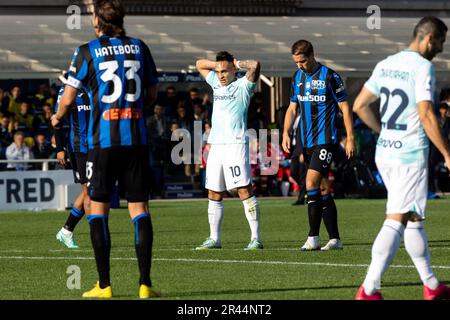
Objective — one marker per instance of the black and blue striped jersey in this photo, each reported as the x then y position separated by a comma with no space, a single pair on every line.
317,95
78,121
115,73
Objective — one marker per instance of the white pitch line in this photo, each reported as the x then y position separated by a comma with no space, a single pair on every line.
324,264
363,247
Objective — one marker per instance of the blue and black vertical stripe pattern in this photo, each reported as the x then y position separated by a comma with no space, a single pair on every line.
78,121
123,69
317,95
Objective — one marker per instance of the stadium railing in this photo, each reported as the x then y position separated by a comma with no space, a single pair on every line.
45,162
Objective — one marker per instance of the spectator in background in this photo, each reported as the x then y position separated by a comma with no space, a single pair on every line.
158,132
43,96
298,167
18,151
435,158
184,122
44,120
41,149
3,103
170,102
207,107
157,125
6,138
197,108
14,101
193,95
6,131
176,137
256,116
53,151
26,120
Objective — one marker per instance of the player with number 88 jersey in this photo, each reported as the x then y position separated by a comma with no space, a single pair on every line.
316,94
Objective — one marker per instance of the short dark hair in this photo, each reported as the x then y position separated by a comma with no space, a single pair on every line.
224,56
110,14
430,24
302,47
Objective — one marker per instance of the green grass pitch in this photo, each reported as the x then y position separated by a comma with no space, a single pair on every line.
33,265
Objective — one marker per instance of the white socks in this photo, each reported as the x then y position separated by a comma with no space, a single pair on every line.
383,252
215,218
416,244
386,245
66,232
251,208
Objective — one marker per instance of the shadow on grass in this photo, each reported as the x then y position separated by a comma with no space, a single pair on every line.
268,290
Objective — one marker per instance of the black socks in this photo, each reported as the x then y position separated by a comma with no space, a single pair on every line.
143,244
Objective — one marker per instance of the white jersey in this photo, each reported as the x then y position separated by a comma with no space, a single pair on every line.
402,80
229,118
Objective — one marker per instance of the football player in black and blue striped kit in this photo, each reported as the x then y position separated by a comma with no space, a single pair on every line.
317,93
119,75
76,148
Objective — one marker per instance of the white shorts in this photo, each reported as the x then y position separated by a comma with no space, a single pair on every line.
407,188
228,167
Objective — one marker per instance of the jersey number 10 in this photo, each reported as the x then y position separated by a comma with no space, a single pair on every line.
110,68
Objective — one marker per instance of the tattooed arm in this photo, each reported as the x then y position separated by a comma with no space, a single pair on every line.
253,68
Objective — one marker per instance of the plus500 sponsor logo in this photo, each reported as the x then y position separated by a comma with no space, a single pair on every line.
386,143
83,108
311,98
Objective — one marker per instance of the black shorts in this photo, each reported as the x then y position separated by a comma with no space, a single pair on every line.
319,158
127,165
78,162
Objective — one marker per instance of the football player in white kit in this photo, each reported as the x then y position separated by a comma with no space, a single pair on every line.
228,164
405,83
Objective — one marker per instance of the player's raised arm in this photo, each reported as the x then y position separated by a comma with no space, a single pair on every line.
362,108
432,129
204,66
253,68
288,121
350,147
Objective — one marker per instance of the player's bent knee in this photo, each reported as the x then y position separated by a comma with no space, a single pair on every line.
216,196
311,185
245,192
414,217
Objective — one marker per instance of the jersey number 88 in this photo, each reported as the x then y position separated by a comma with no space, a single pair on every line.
325,155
